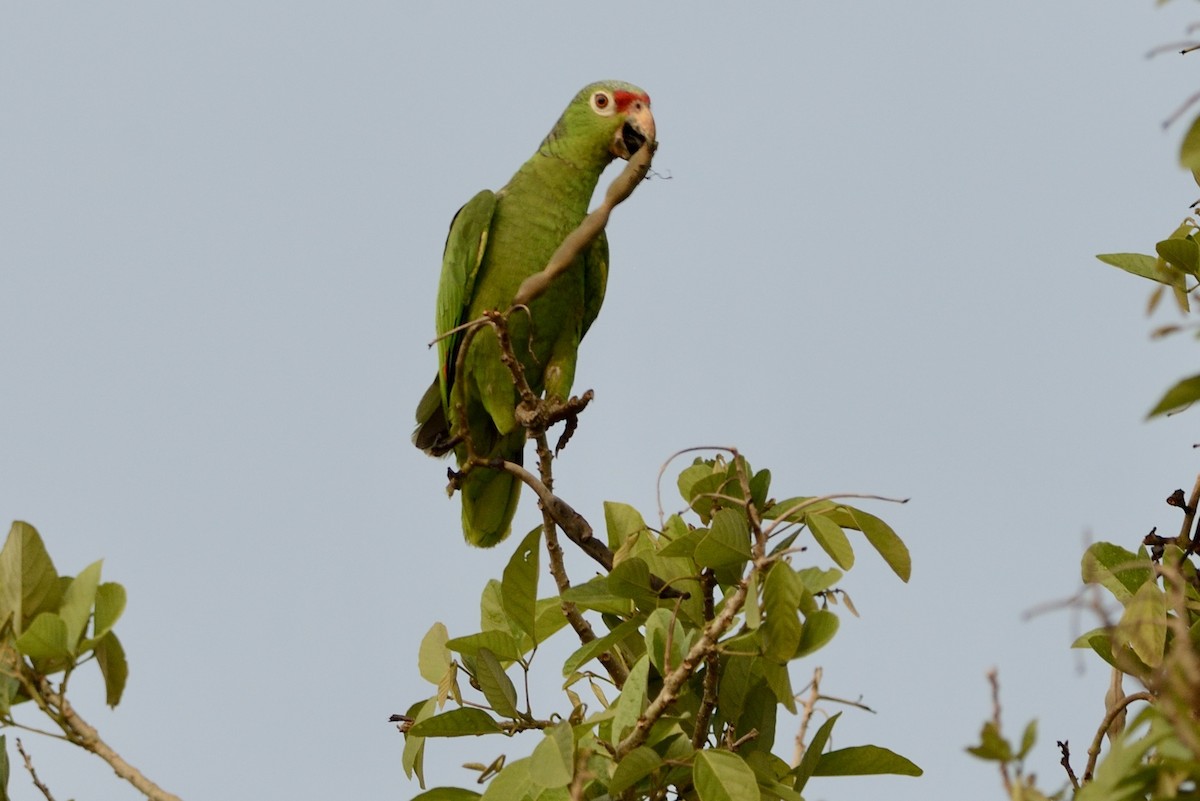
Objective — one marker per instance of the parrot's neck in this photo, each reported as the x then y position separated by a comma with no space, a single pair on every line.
563,179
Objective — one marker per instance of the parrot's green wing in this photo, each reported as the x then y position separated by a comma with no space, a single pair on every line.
466,244
595,280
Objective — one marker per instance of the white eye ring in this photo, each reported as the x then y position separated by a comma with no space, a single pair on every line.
603,104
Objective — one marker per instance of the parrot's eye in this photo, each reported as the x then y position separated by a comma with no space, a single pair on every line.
602,104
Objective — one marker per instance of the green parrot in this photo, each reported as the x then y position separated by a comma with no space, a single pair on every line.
496,241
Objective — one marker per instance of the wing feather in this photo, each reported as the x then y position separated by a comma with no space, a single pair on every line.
466,245
595,280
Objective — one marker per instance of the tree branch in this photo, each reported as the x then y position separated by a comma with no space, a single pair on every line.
85,736
575,243
1117,709
33,773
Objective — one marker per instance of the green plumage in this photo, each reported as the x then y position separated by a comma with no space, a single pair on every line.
496,241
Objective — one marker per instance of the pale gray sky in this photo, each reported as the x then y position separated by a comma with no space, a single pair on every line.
871,269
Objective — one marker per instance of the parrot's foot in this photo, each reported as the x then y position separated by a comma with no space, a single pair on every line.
455,479
537,416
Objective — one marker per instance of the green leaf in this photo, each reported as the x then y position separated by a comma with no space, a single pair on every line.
552,763
865,760
511,784
736,679
992,746
1144,266
685,545
501,643
3,768
760,486
662,626
433,658
832,539
881,537
632,700
549,618
413,757
1144,624
1028,738
1183,394
45,638
760,710
699,482
816,580
727,542
622,521
813,752
447,794
819,628
780,683
495,684
595,594
1181,253
110,603
27,576
631,579
771,772
75,608
1189,150
1119,571
590,650
491,609
110,656
723,776
779,634
637,765
1100,641
518,589
463,722
690,476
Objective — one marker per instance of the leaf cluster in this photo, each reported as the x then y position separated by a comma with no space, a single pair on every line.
679,688
1175,267
1154,640
51,624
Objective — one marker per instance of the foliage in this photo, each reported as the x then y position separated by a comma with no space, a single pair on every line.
1175,268
1154,638
44,623
699,620
50,625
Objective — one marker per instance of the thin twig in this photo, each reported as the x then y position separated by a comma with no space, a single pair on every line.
712,666
805,716
1117,709
782,519
575,243
1189,516
33,773
994,680
1064,748
663,469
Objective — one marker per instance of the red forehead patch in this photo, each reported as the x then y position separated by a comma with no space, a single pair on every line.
625,99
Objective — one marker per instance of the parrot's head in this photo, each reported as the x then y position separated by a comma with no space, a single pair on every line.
606,120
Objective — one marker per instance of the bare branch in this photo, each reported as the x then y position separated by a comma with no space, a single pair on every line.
33,773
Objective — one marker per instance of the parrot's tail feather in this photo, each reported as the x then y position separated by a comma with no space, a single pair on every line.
433,431
489,502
